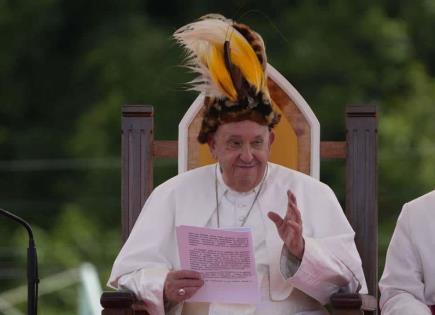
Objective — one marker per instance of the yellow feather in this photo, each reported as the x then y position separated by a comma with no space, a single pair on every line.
219,73
204,40
244,57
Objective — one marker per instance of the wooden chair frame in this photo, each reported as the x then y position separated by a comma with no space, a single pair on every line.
359,150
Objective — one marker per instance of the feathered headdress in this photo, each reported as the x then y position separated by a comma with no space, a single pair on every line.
231,62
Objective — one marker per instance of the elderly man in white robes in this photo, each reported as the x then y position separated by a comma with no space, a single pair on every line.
304,246
408,283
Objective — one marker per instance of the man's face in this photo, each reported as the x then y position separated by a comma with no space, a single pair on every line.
242,150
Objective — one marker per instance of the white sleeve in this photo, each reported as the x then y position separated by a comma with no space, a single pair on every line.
147,284
149,253
401,285
321,273
331,262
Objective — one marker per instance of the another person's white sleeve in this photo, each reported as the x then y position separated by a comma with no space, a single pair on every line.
401,285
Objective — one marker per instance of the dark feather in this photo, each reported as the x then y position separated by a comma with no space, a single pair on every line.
254,40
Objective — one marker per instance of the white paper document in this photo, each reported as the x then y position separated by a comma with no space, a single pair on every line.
226,260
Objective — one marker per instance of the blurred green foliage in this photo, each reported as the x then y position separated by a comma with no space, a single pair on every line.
67,67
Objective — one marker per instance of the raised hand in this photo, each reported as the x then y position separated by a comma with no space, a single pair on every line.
290,227
181,285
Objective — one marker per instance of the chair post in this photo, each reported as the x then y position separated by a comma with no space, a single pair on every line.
361,186
137,173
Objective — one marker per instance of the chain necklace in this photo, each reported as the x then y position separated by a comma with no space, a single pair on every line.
253,202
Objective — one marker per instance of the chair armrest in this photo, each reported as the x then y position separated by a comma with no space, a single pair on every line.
121,303
352,303
117,299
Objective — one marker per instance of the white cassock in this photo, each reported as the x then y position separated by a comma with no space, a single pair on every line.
408,283
330,262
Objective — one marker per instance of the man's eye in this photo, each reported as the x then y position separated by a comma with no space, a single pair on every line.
257,144
234,144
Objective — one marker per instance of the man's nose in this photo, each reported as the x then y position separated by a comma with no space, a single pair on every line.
246,154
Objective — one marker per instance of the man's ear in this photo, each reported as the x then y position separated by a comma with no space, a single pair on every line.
212,145
271,138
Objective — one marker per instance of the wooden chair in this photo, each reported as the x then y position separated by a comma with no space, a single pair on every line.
297,145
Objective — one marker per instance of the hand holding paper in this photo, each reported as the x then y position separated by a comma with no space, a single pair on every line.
186,282
225,259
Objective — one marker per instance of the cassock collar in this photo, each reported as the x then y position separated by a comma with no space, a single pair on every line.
224,189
